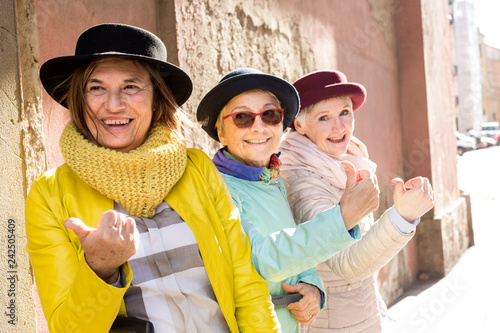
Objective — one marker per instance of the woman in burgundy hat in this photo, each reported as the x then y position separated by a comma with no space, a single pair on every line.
322,138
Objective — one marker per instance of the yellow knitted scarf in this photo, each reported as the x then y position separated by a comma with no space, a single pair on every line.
140,179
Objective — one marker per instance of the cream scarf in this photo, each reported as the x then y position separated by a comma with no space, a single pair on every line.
140,179
314,179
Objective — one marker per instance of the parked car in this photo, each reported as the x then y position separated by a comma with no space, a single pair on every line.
488,141
464,143
482,141
492,130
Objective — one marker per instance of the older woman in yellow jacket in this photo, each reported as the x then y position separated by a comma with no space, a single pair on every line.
134,223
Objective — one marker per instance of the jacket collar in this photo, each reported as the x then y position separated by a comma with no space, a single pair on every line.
236,169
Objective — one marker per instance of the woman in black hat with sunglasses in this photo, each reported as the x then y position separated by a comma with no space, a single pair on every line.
134,223
247,111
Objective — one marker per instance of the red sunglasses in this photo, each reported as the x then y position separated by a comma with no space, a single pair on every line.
246,119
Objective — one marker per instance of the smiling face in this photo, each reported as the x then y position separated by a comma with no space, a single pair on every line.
119,97
253,145
329,124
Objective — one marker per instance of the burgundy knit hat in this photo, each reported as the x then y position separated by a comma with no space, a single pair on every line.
324,84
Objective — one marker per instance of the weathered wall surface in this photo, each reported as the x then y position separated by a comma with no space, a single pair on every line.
450,210
215,37
17,165
429,146
438,76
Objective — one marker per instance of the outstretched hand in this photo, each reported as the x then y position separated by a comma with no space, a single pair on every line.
360,197
307,309
413,198
108,246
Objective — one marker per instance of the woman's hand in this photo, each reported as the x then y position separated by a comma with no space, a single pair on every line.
360,197
307,309
108,246
413,198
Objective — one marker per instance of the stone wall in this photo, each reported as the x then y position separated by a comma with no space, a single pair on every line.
21,158
215,37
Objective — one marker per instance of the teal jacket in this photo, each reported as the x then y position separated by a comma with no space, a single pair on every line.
281,250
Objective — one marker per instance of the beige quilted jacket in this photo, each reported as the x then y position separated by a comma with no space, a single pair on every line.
315,181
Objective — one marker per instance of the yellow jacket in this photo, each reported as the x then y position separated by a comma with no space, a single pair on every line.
75,300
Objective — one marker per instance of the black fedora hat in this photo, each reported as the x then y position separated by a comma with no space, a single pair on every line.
117,40
238,81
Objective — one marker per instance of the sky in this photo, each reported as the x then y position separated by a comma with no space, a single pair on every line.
488,20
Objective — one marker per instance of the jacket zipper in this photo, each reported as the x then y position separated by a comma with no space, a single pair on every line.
280,188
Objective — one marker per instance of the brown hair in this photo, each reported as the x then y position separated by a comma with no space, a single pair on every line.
164,107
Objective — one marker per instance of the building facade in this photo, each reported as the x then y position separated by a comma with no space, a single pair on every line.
490,83
470,97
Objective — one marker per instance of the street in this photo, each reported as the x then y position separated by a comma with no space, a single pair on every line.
468,299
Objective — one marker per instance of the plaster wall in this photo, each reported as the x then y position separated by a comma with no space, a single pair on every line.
429,147
440,110
450,211
16,298
215,37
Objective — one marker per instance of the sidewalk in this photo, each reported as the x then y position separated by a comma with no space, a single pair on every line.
467,299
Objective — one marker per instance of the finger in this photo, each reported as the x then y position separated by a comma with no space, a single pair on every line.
108,220
298,307
426,186
350,172
301,313
431,191
120,224
399,186
289,288
362,174
129,227
414,183
308,318
78,227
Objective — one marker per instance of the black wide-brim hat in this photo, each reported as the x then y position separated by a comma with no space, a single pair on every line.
237,82
116,40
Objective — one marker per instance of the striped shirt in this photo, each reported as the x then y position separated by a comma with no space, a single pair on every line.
170,286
